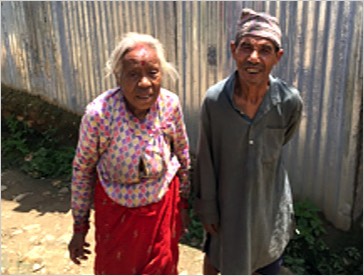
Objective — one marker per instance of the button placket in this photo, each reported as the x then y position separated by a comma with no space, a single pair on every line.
250,136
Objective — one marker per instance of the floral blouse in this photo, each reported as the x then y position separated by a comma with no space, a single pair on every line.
134,160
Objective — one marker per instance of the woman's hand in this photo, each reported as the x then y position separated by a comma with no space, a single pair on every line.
78,248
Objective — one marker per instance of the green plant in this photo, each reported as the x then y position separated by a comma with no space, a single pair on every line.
45,162
296,264
14,144
194,236
37,153
307,253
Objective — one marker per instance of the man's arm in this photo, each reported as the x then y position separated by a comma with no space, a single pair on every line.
204,181
295,118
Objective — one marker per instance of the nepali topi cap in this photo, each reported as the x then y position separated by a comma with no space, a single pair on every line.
260,24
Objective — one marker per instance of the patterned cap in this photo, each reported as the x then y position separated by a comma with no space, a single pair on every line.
260,24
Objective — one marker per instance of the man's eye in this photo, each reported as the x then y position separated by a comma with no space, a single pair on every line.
246,47
266,50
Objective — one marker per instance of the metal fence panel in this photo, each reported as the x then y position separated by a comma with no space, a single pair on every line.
58,50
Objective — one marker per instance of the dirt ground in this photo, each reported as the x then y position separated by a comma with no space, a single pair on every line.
36,226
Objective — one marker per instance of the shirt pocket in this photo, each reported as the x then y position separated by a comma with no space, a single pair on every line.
168,132
272,144
152,159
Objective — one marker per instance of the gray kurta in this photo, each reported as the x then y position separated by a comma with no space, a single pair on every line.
240,183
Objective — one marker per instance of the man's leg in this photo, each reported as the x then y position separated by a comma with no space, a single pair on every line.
271,269
208,268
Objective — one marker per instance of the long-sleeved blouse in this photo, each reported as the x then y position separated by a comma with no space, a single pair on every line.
134,160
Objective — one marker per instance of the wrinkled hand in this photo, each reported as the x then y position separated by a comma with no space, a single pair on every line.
78,248
185,221
211,228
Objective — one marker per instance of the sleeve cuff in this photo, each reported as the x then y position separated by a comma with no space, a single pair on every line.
81,228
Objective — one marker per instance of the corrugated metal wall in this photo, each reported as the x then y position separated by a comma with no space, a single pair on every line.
59,49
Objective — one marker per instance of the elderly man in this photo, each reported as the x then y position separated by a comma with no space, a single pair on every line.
243,195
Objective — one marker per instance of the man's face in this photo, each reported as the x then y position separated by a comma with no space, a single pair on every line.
255,58
141,78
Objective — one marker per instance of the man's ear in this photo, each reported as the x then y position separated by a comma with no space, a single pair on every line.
279,54
232,47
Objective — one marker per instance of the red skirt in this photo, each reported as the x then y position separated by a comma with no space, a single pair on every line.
142,240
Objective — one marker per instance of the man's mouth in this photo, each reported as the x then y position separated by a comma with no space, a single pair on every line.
251,70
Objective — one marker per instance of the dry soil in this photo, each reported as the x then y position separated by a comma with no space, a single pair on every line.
36,226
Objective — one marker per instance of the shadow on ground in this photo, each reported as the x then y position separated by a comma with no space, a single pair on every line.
42,195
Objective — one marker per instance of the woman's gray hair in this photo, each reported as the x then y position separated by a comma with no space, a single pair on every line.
129,41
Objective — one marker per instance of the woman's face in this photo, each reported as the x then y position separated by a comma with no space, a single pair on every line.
141,79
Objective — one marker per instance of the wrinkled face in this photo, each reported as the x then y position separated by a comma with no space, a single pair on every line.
141,78
255,58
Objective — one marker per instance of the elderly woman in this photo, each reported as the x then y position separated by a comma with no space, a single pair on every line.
132,162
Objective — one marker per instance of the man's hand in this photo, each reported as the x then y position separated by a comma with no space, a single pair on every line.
211,228
77,248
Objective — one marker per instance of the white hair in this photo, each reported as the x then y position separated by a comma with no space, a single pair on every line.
128,42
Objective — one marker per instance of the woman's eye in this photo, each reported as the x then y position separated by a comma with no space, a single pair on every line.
154,73
133,75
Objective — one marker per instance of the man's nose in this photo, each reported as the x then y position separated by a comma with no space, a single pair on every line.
254,56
